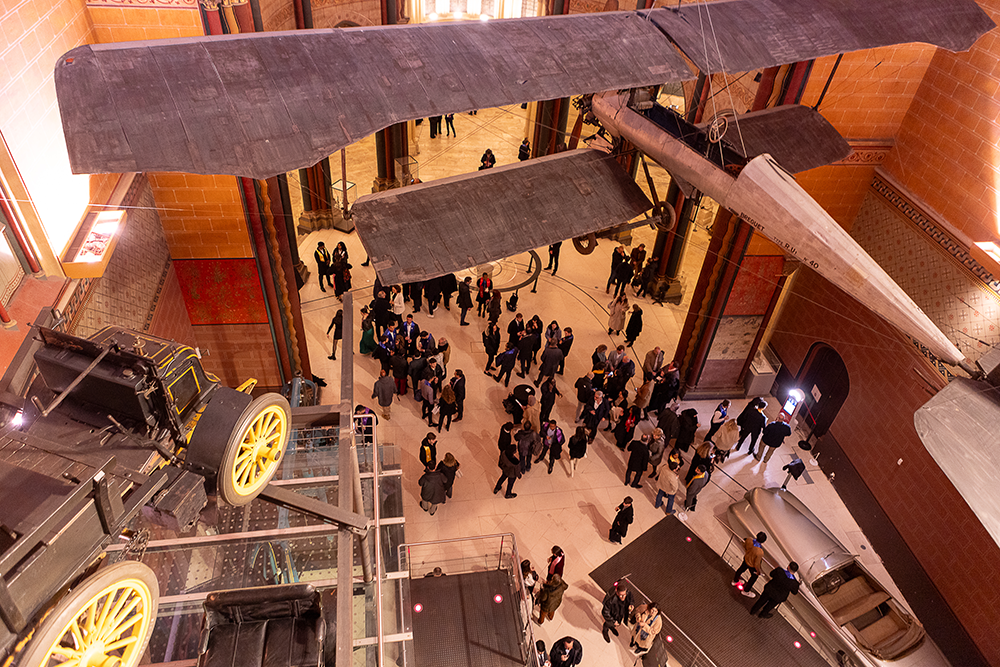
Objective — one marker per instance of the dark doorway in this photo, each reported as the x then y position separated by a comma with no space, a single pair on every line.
823,372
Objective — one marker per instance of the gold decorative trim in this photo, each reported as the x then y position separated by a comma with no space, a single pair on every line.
865,153
145,4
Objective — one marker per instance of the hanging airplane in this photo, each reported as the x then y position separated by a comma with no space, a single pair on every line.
261,104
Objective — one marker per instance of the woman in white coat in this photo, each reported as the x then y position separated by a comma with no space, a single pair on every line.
617,310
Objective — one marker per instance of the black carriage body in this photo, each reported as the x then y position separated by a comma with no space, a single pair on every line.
143,381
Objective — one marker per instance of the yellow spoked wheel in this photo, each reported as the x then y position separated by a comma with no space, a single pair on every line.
255,447
105,622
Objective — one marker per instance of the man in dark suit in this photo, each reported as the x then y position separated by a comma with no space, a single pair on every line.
782,584
323,259
515,328
567,652
410,333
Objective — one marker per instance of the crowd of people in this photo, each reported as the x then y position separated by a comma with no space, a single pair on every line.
636,405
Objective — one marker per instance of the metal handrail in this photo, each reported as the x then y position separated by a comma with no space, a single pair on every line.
678,628
376,511
528,635
790,615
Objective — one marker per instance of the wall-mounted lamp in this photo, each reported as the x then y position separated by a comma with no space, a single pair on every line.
89,251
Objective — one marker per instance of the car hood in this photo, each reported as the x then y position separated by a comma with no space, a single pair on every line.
793,532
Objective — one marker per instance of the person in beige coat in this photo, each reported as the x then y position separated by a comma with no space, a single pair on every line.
533,414
648,623
617,310
724,440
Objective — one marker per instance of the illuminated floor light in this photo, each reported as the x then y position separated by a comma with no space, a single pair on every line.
812,634
498,598
798,644
669,639
418,607
688,539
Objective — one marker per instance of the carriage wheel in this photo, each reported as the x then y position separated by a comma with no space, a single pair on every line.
105,622
255,447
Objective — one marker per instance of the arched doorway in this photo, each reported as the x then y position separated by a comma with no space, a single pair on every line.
823,374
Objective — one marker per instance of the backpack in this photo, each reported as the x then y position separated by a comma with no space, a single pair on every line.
512,302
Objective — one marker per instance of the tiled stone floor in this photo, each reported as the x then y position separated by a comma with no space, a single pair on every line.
576,512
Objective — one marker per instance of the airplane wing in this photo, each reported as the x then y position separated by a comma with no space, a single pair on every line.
749,35
429,229
797,137
265,103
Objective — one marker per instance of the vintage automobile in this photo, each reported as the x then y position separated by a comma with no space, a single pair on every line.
840,600
94,431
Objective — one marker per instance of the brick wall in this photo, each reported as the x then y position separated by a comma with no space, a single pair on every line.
952,129
839,189
236,352
875,429
202,215
170,319
136,23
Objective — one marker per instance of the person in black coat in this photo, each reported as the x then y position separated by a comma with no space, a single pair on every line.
515,328
554,257
509,467
567,652
505,364
623,276
617,607
491,342
552,358
524,150
400,371
617,258
668,422
619,528
337,324
564,346
449,283
634,326
751,422
782,584
525,349
638,460
687,427
484,290
416,294
625,428
432,490
458,385
549,392
417,367
464,300
432,290
596,410
449,467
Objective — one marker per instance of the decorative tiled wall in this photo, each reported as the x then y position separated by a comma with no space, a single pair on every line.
931,267
127,293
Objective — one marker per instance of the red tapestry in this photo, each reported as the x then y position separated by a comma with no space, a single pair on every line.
221,291
754,284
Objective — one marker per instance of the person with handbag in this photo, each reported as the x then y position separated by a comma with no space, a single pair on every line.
648,623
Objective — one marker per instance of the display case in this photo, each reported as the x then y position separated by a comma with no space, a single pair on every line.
763,371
